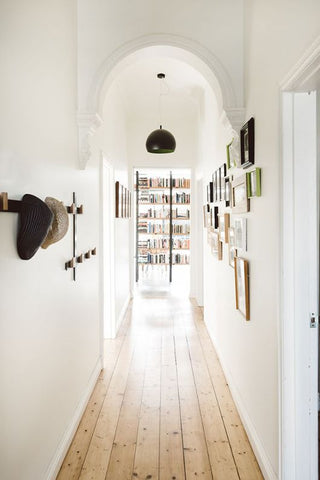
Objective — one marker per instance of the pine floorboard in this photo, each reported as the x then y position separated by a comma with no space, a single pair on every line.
161,409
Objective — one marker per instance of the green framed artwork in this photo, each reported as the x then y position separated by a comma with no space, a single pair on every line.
231,161
254,183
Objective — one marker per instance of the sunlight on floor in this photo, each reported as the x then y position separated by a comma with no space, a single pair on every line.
154,282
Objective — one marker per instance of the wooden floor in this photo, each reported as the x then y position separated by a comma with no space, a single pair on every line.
161,408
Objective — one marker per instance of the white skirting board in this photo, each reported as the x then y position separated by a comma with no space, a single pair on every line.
122,313
64,445
259,451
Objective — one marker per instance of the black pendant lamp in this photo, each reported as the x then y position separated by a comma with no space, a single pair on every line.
160,141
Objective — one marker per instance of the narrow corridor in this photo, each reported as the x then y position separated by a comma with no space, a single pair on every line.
161,408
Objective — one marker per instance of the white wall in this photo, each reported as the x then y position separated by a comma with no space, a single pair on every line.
111,139
249,350
49,324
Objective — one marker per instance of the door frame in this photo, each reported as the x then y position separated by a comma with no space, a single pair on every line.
298,445
107,271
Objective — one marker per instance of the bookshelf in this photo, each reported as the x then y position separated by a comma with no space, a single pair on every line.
162,221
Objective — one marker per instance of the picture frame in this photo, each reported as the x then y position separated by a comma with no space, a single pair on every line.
247,144
117,199
205,212
241,272
222,174
215,186
232,249
210,192
215,217
228,191
231,160
240,200
254,183
216,244
224,224
240,233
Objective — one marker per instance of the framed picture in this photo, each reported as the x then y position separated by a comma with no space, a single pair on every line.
211,192
241,272
216,245
232,248
231,160
215,217
254,183
240,201
228,192
215,186
117,199
247,144
222,174
240,233
208,194
224,223
205,211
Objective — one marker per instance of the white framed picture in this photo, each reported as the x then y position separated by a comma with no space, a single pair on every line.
240,233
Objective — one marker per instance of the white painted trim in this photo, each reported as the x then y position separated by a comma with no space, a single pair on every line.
123,312
67,438
256,444
307,67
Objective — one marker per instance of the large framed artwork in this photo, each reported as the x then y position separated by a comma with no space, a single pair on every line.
216,245
240,201
247,144
241,271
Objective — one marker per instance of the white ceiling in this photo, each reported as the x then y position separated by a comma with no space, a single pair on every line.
140,88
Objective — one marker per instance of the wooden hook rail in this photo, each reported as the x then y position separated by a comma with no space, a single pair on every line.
80,259
6,205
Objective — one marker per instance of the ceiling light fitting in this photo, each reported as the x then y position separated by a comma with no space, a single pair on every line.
161,140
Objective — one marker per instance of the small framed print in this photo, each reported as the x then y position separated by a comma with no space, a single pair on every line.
232,248
247,144
215,217
117,199
241,272
216,245
210,192
240,233
254,183
228,192
205,211
240,201
224,223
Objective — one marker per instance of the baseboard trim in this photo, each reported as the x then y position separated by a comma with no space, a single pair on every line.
259,451
66,440
123,312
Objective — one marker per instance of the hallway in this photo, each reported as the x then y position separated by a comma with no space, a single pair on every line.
161,408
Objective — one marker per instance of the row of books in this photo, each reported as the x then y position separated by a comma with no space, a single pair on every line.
165,214
147,227
162,198
163,259
158,182
163,243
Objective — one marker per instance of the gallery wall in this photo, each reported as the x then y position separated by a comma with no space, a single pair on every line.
49,324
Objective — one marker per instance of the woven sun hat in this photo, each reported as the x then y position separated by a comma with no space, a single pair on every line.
60,222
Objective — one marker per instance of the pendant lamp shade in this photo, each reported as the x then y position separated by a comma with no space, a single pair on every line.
160,141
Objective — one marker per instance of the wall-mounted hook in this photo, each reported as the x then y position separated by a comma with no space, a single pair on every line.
80,258
87,254
80,209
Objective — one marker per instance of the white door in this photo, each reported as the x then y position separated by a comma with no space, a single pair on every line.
299,292
107,223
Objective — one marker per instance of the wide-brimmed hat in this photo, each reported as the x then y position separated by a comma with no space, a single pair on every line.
60,224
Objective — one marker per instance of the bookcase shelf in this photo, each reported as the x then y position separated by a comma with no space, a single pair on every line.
171,197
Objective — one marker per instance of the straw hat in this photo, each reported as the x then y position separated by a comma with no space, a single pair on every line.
60,222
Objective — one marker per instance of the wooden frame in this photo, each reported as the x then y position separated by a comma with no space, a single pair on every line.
224,223
122,201
247,144
240,201
232,248
241,273
254,183
240,233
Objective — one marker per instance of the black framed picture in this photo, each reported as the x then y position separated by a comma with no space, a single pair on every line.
222,173
215,186
247,144
215,217
211,192
228,191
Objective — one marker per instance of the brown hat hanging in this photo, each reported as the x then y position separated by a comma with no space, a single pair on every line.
60,223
